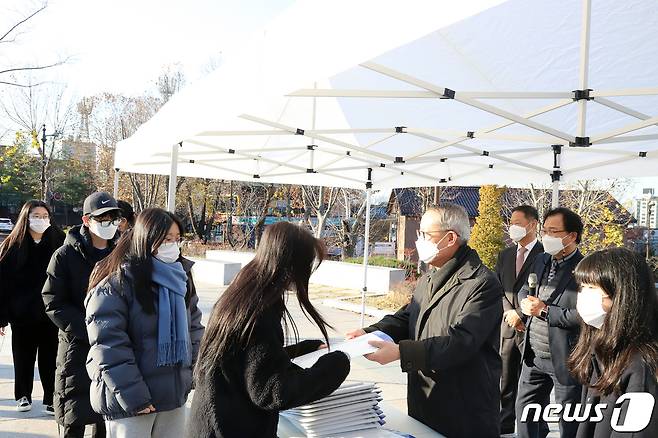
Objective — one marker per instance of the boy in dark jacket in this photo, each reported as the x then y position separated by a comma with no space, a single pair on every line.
63,295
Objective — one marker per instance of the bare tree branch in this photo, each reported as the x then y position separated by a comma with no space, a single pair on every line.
15,84
26,19
39,67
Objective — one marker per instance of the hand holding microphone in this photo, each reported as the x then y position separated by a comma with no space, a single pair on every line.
532,306
532,284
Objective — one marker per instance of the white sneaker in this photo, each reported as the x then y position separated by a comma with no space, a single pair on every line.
23,405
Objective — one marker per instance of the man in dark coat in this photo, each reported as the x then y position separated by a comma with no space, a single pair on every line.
512,268
552,325
447,337
63,295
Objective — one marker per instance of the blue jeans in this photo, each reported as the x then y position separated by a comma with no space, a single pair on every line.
535,385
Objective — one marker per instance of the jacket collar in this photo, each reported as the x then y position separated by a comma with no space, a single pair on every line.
461,267
80,238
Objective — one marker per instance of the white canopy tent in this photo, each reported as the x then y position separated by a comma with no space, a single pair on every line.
344,93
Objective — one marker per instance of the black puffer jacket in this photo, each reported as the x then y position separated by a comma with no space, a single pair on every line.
242,397
63,295
22,275
124,350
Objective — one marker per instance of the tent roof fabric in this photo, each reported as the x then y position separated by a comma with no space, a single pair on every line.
483,92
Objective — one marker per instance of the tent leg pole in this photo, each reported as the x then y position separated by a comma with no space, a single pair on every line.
115,191
171,194
366,245
556,194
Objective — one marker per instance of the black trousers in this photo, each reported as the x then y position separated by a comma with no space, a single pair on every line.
78,431
535,386
510,353
27,342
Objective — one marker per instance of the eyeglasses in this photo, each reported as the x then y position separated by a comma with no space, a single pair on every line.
107,223
426,235
170,240
36,216
550,232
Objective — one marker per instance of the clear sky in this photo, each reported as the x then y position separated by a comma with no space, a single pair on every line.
122,46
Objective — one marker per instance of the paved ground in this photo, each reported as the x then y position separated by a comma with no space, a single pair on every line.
36,424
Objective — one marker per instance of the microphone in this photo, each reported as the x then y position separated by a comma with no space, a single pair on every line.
532,284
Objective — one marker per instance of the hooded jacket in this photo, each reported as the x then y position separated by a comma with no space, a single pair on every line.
63,296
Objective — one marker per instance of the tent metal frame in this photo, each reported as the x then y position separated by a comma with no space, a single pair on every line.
351,156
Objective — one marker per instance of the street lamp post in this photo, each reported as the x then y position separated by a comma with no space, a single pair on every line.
43,163
44,137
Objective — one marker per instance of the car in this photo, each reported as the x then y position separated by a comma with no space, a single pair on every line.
6,225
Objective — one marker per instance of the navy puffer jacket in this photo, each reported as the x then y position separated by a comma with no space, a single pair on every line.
124,345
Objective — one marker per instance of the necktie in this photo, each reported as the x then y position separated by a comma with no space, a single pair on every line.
520,258
551,273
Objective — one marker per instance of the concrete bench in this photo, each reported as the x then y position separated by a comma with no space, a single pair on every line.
242,257
216,272
330,273
350,275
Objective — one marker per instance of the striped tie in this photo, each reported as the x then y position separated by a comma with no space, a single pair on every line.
551,273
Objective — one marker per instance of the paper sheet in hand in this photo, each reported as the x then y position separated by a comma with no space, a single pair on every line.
354,347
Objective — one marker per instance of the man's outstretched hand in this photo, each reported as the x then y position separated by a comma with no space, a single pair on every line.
355,334
387,352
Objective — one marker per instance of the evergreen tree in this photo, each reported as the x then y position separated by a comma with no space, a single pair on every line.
488,232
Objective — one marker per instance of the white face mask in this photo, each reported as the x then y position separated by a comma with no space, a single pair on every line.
39,225
106,233
427,250
168,252
590,308
517,233
552,245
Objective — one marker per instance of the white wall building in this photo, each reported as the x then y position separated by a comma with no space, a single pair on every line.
646,209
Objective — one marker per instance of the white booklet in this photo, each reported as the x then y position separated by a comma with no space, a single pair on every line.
354,347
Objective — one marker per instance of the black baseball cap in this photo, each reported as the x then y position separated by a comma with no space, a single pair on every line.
99,203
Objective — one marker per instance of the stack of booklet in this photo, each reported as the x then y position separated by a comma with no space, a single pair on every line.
352,407
353,348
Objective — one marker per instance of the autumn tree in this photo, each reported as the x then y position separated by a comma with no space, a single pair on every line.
488,232
29,110
603,221
19,168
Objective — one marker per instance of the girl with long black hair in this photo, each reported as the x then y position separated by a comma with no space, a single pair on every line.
244,375
144,330
24,257
617,352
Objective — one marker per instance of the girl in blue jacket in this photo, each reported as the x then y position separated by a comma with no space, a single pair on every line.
144,329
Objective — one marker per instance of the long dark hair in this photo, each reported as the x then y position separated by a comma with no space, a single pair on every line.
16,240
631,326
135,248
284,258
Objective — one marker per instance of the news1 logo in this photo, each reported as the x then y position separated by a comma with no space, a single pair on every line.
639,407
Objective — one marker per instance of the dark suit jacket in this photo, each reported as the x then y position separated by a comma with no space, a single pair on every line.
563,319
449,336
506,272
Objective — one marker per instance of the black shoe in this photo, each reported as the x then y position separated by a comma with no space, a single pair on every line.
48,409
